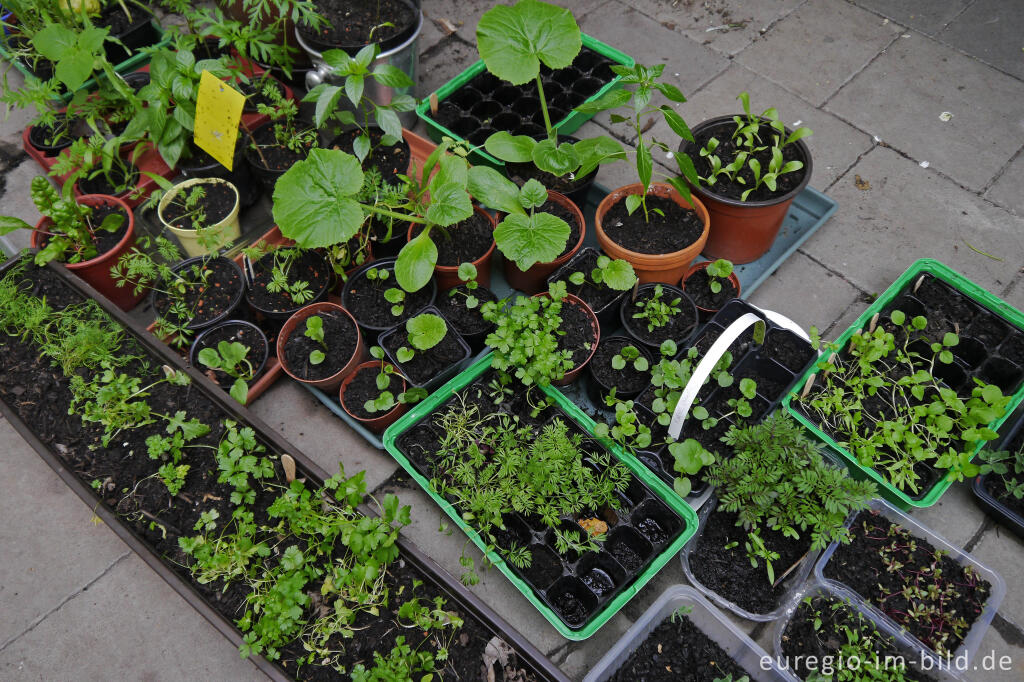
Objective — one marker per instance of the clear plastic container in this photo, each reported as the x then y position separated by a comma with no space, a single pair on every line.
973,639
709,620
793,581
911,649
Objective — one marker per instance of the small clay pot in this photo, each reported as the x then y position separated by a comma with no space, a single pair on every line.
707,313
571,375
374,424
532,280
447,276
333,381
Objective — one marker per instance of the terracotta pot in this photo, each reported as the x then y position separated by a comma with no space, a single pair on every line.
447,276
652,267
743,231
533,279
571,375
96,271
331,382
375,424
706,313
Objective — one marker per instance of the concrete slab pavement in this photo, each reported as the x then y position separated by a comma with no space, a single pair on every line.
927,16
990,30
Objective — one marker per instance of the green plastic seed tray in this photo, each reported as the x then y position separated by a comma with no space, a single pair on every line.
906,281
567,126
133,63
662,496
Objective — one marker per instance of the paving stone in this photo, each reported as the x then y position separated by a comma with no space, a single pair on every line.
835,144
909,213
1006,191
317,432
956,516
848,317
1014,294
901,96
45,524
14,121
927,16
838,37
17,202
446,61
990,664
990,30
129,623
1001,551
688,64
582,656
805,292
728,26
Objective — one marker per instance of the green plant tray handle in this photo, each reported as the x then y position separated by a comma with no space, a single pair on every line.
131,64
664,493
567,126
976,293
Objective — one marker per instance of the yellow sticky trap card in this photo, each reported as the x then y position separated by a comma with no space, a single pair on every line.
218,112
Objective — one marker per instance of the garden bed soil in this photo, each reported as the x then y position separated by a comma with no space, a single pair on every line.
883,559
340,336
219,295
100,184
824,640
105,241
669,227
728,572
217,202
627,380
678,327
363,387
352,24
677,651
390,160
36,392
366,301
726,151
243,334
310,267
452,305
698,288
580,335
464,242
425,364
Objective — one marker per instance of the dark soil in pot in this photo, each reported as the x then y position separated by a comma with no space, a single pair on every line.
597,296
271,156
340,336
728,571
425,364
134,32
673,229
50,139
386,239
366,301
105,241
819,629
677,650
545,568
463,242
217,202
726,151
254,92
628,380
309,267
219,295
580,336
390,160
201,165
452,304
787,349
883,558
232,332
352,24
363,387
698,287
100,184
678,328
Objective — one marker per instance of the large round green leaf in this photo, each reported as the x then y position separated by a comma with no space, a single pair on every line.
312,201
514,40
528,241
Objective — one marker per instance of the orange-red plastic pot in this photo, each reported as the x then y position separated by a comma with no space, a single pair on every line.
375,424
331,382
571,375
96,271
667,268
708,312
447,276
533,280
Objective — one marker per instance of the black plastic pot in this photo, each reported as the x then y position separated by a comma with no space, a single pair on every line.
629,325
372,331
267,177
607,314
227,313
141,33
319,294
136,80
597,389
1013,440
441,376
476,338
249,188
37,138
231,328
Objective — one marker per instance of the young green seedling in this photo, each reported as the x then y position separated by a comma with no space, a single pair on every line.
230,358
615,274
689,458
467,273
425,331
386,400
718,271
655,311
630,354
315,331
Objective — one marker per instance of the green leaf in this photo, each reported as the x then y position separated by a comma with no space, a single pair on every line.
682,486
449,204
209,358
618,362
633,202
560,160
671,92
239,391
9,224
416,261
74,70
510,148
354,88
361,147
387,120
644,164
513,41
316,357
403,354
312,200
526,241
619,275
467,272
392,76
55,42
609,100
676,123
494,190
532,194
426,330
